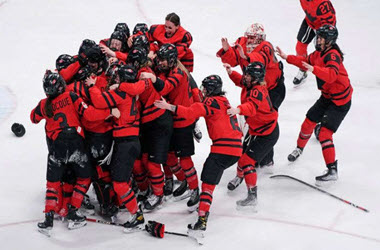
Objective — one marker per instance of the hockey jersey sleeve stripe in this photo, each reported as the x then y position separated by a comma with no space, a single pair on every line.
227,139
107,101
206,108
159,84
175,79
112,99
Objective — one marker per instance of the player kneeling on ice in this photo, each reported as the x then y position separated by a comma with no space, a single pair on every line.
225,133
326,63
263,131
65,138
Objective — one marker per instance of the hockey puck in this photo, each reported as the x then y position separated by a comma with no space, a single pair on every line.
18,129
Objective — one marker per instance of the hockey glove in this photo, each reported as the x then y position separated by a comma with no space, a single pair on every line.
155,228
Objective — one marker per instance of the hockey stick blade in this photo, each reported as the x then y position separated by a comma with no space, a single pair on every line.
320,190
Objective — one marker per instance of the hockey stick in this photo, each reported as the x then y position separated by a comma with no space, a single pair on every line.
121,225
321,190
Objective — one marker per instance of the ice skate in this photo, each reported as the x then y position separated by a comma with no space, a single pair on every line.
300,78
182,192
87,208
192,203
168,188
234,183
250,202
143,195
75,218
197,230
136,223
295,154
109,212
46,226
329,177
197,133
153,202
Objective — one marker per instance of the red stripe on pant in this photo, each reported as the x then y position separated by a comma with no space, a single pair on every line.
247,165
126,196
156,177
52,196
327,144
191,174
80,189
307,128
205,198
176,169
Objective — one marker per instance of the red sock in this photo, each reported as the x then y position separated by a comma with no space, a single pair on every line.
156,177
80,189
305,133
52,196
168,172
190,172
301,49
176,169
67,193
250,175
140,175
126,196
328,148
205,198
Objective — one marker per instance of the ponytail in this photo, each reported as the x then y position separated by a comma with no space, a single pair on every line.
48,108
336,47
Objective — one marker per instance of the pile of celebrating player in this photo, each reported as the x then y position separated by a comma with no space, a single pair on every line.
121,115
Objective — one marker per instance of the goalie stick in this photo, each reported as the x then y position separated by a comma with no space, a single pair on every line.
321,190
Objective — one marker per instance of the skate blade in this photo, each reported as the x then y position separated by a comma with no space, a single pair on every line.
249,208
168,198
198,235
185,195
45,231
325,184
87,212
138,228
75,225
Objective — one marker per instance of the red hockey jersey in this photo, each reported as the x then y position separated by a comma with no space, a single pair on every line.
264,53
318,13
332,77
68,108
223,130
175,87
257,107
149,112
182,39
128,122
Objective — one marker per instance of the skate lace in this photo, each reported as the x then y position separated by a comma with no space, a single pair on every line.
296,152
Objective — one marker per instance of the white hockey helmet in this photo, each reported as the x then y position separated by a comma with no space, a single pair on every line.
256,30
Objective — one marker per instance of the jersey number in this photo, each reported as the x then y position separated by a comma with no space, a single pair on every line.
63,123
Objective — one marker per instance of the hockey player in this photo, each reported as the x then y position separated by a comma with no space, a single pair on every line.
172,32
317,14
225,134
156,129
125,132
174,83
254,47
263,130
75,68
326,63
62,111
115,46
